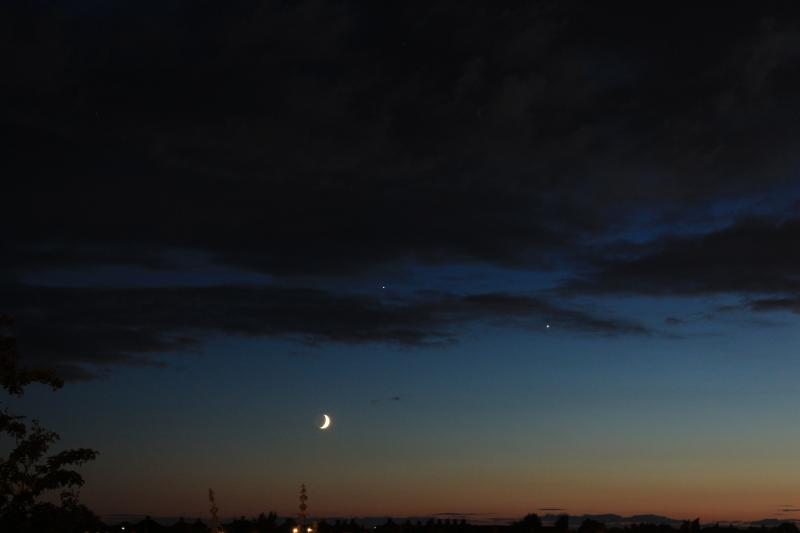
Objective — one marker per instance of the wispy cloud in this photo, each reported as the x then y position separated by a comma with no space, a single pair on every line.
71,328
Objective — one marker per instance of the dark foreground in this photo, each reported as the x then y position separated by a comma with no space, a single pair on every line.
530,524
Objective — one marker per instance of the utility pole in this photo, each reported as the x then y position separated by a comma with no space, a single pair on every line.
301,515
214,510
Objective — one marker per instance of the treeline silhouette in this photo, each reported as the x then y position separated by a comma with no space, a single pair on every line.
270,523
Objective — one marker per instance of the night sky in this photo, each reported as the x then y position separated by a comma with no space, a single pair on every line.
527,255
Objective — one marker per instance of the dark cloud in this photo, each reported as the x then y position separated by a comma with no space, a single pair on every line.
71,327
330,138
333,139
753,256
791,304
376,401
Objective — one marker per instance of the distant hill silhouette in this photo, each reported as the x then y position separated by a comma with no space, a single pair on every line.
614,519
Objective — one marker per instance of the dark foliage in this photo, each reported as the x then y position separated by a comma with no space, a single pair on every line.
591,526
531,522
28,473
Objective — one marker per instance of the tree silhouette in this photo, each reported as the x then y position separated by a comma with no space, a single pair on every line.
591,526
562,523
531,522
27,473
268,522
787,527
691,526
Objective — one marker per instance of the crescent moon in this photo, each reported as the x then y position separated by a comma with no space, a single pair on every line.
327,423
